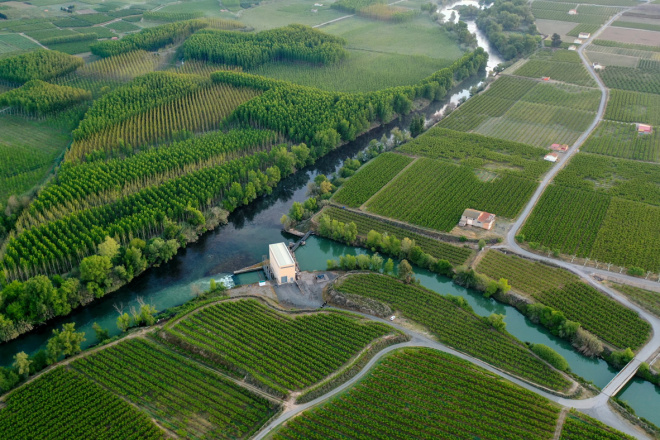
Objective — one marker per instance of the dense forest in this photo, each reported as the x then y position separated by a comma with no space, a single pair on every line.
509,26
40,98
40,64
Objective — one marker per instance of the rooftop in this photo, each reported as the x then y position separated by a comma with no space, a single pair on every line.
486,217
281,253
472,213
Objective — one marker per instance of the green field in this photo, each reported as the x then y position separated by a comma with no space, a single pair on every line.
13,44
454,254
184,396
434,194
645,298
28,149
370,179
578,426
272,348
123,26
559,67
563,291
529,112
65,404
635,25
644,78
479,152
455,326
583,27
627,106
622,140
416,394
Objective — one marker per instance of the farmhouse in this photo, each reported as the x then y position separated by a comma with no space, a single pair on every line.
479,219
572,12
644,129
559,147
551,157
598,66
282,266
577,41
584,35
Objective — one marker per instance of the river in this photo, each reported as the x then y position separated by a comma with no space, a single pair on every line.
244,241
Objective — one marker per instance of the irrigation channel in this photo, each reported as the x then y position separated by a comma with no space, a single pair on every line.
245,240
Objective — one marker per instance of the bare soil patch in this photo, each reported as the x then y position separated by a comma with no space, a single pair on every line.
549,27
633,36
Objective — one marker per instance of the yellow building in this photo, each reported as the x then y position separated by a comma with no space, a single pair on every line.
282,265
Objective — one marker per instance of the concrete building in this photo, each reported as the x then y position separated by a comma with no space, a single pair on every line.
282,264
644,129
551,157
572,12
559,147
584,35
479,219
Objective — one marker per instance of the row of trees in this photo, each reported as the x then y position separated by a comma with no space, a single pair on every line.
41,98
248,50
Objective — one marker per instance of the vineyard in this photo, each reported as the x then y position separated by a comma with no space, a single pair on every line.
622,140
626,106
454,254
125,66
579,426
583,27
641,79
570,72
566,219
64,404
370,178
184,396
434,194
278,351
626,179
455,326
645,298
479,152
416,394
578,301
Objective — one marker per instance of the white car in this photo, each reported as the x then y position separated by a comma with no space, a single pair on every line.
392,318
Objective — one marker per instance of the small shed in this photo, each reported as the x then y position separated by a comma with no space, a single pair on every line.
644,129
598,66
572,47
572,12
546,78
479,219
282,264
551,157
584,35
559,147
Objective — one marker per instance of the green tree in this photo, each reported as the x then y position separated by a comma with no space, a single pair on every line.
95,268
556,40
146,315
22,363
405,272
389,267
101,333
417,125
124,322
482,244
64,343
297,211
496,321
109,248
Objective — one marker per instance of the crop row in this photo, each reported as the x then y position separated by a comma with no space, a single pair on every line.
177,390
562,291
454,254
627,106
581,427
477,150
370,178
424,394
560,71
434,193
622,140
455,326
271,347
641,79
64,404
124,66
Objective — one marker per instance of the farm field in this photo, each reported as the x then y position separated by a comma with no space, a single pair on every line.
579,426
434,194
559,66
239,337
644,298
628,106
455,326
593,15
184,396
28,150
644,78
479,151
454,254
636,25
628,36
583,27
370,179
65,404
528,111
408,394
563,291
622,140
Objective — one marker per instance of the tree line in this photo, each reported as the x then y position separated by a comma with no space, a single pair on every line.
40,64
40,98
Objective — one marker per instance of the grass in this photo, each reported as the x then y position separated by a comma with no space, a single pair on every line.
362,71
72,48
563,291
370,179
424,394
277,350
28,149
13,44
454,324
454,254
123,26
184,396
645,298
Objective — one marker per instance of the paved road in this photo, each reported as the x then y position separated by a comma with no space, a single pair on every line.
596,407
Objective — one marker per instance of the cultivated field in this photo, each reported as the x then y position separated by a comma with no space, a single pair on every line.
622,140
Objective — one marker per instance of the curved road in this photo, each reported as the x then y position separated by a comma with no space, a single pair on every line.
596,407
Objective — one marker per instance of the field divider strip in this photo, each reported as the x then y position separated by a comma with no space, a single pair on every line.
400,173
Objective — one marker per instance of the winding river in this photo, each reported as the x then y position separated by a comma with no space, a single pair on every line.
244,240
